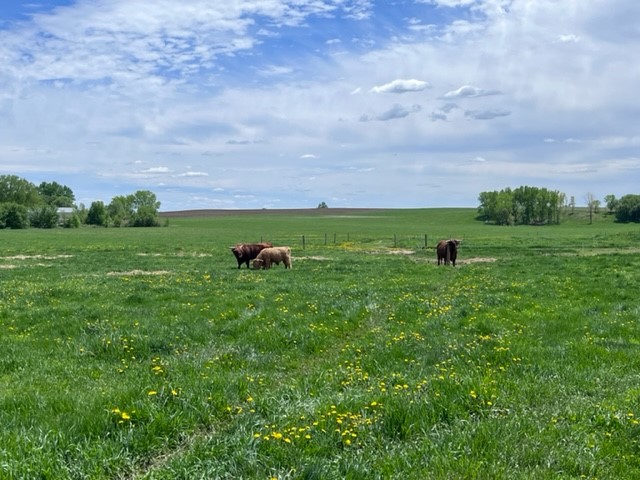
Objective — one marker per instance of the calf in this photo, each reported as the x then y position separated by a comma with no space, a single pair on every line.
273,255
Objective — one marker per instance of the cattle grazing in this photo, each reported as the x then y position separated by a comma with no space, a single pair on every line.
273,255
447,251
245,252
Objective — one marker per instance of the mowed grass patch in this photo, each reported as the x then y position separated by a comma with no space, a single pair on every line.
148,354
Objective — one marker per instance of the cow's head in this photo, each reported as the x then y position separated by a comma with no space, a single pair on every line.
258,263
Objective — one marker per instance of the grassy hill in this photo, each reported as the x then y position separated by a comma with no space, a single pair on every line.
146,353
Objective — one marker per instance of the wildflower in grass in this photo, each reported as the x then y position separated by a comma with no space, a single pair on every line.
152,392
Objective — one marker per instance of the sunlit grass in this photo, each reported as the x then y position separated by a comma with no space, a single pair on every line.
148,354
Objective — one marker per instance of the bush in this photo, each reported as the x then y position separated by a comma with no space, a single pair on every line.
13,216
45,216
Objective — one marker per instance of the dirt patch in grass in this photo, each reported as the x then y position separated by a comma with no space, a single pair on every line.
133,273
477,260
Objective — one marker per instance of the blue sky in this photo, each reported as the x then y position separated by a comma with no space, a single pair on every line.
289,103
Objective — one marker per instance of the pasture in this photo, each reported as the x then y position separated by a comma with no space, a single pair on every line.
146,353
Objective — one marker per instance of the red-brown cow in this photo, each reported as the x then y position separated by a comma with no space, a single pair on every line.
245,252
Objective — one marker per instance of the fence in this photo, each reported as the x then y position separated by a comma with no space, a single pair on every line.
328,239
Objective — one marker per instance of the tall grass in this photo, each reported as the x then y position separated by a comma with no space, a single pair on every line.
145,353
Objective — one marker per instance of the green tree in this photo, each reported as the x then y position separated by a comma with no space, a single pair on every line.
97,214
44,216
13,215
591,205
611,202
139,209
55,194
145,206
17,190
323,205
628,209
120,210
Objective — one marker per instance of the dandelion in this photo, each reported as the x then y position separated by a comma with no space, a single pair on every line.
152,392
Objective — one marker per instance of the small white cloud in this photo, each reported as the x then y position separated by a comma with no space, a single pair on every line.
333,41
486,114
275,70
401,86
156,170
469,91
549,140
398,111
480,159
308,155
356,91
570,38
193,174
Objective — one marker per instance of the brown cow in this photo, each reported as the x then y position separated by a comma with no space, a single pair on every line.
273,255
245,252
447,251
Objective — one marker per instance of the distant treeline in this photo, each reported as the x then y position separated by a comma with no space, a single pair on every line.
50,204
521,206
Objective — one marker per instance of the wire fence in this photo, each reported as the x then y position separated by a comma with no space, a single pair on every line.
304,241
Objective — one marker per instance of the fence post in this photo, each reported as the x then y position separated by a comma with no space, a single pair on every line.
426,243
303,242
325,239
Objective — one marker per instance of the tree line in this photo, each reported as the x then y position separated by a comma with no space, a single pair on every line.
50,204
521,206
538,206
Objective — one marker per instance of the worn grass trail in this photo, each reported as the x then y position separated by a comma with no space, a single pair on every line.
147,354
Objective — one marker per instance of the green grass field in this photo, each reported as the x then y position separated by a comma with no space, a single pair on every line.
146,354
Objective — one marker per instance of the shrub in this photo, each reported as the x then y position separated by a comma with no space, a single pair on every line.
45,216
14,216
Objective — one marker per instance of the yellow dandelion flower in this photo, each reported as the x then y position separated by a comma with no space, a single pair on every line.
152,392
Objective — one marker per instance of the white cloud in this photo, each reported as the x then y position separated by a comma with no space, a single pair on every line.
570,38
156,170
193,174
486,114
401,86
469,91
395,112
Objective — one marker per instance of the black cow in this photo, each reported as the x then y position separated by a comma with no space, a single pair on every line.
245,252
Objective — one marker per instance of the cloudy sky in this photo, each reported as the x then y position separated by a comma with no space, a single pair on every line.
289,103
